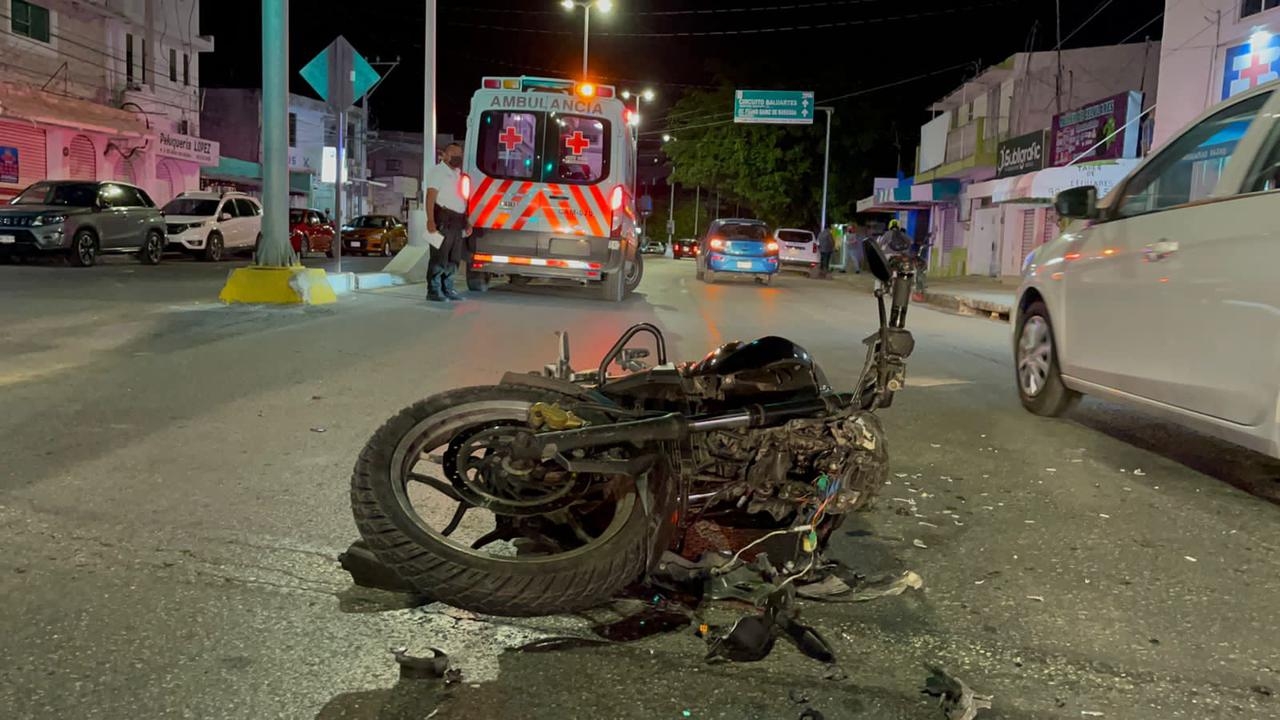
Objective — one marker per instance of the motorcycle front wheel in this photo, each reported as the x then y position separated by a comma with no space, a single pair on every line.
437,500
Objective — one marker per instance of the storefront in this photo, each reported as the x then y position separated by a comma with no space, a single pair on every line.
928,212
232,175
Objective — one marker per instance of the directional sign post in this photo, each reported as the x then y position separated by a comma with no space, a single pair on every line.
773,107
340,75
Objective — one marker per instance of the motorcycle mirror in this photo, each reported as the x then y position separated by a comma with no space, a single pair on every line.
876,261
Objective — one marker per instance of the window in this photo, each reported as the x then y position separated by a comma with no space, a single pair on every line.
247,208
293,130
144,60
186,70
393,165
121,196
173,66
1253,7
29,20
1189,168
228,208
1265,176
67,194
195,207
128,58
313,218
145,199
572,149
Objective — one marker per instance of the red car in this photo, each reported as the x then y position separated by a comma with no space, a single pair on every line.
687,248
310,231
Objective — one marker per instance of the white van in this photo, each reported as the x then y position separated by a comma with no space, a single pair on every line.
550,167
799,250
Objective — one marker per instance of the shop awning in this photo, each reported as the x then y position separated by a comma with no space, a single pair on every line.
250,173
912,197
1044,185
21,101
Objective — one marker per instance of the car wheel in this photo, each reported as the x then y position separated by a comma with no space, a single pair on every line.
698,273
152,249
634,273
477,281
1039,379
84,249
213,248
386,250
709,276
765,280
329,252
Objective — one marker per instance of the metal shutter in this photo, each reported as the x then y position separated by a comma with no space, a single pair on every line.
1028,234
123,170
32,162
164,182
82,159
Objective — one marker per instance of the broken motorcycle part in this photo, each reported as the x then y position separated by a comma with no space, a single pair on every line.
958,700
368,571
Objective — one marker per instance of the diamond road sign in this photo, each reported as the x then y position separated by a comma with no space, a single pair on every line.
340,74
773,107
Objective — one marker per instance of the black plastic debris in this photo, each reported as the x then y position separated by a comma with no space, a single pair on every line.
368,571
798,696
957,700
426,668
811,714
751,639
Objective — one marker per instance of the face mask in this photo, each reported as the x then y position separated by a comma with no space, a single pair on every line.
455,162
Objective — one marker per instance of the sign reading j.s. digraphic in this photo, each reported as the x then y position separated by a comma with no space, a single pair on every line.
1022,154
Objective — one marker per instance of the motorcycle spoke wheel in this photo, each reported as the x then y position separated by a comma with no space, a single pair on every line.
456,520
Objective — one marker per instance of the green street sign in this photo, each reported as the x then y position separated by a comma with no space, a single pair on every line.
339,74
773,107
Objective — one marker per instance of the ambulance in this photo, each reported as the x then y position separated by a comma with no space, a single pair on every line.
549,174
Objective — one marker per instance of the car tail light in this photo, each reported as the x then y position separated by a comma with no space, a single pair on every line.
717,244
464,186
815,247
617,197
772,246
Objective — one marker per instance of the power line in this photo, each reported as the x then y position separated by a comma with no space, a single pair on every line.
1098,11
837,98
747,31
668,13
1150,22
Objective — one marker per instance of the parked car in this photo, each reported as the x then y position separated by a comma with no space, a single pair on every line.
798,250
209,224
374,234
1164,295
311,231
81,220
688,247
739,247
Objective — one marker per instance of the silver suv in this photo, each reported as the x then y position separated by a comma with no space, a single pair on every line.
80,220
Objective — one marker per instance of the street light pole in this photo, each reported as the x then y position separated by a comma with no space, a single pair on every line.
826,164
671,210
586,5
275,250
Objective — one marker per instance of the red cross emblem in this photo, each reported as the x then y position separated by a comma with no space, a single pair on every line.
510,138
1257,68
577,143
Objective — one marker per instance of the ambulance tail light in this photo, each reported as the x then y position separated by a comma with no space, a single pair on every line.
604,91
464,186
617,197
492,84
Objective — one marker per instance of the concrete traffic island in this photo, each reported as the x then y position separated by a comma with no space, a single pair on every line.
294,285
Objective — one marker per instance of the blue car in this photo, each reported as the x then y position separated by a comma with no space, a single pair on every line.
742,247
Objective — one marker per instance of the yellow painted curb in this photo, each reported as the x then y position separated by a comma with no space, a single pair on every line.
295,285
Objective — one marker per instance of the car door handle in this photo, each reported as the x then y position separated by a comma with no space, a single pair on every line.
1160,250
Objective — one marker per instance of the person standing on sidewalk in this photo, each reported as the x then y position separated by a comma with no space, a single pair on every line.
826,247
446,216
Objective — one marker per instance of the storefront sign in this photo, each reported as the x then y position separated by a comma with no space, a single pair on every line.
1022,154
9,165
1251,64
1103,130
1044,185
188,147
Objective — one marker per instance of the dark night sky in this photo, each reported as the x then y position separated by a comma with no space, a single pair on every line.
870,42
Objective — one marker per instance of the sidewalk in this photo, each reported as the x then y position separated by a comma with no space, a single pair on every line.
974,295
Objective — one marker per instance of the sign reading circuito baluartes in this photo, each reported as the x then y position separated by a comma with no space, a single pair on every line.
1022,154
188,147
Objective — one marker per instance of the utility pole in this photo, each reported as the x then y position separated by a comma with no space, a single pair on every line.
340,186
826,163
418,218
697,200
1057,91
671,210
275,250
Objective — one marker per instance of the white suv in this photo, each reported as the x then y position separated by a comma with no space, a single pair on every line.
799,250
210,224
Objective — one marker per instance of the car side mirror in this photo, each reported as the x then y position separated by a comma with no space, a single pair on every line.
224,217
1079,203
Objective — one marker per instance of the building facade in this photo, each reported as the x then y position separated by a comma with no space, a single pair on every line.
1212,50
313,140
1035,117
102,90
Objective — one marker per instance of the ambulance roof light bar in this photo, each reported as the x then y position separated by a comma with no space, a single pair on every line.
536,84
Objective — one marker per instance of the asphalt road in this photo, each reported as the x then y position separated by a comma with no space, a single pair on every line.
173,492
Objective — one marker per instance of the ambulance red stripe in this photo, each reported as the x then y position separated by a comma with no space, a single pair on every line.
587,210
534,205
478,196
492,203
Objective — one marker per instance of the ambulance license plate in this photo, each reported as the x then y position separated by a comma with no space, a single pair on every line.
744,265
7,239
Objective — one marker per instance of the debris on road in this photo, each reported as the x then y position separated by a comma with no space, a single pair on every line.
369,572
426,668
1091,713
1188,558
918,543
319,430
1139,472
1037,598
958,700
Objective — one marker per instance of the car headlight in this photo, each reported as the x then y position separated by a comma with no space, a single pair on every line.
44,220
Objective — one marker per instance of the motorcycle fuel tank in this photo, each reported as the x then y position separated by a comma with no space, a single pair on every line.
768,365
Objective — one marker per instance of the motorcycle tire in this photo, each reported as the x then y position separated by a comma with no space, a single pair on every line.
444,571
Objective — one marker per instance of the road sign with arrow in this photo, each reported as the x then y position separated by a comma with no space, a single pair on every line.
773,107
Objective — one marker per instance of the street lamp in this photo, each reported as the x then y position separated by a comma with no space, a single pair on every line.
603,6
671,209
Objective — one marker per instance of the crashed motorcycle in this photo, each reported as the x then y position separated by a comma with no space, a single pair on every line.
552,491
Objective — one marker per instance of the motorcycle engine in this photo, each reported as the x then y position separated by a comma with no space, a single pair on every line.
779,469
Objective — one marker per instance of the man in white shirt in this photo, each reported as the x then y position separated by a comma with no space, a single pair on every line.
446,215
